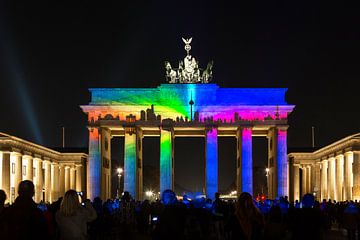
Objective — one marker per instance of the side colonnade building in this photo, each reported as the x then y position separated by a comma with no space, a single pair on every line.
52,172
331,172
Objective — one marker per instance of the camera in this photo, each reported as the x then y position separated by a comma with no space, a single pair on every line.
80,193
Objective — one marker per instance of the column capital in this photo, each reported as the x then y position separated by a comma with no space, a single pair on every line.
348,153
15,154
282,127
27,156
339,156
54,163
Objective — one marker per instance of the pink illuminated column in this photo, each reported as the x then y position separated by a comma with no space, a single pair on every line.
211,164
246,159
94,165
282,163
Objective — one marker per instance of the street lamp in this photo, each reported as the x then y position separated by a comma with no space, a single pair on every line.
119,172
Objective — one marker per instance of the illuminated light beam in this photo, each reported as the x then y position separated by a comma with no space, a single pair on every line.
166,176
282,164
130,164
246,160
18,78
211,164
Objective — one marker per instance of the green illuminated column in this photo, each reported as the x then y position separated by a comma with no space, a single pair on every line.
130,163
166,160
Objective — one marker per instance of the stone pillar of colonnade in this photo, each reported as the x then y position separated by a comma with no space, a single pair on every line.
278,163
5,173
27,161
356,175
94,165
61,180
211,162
296,181
324,179
105,150
72,178
38,179
16,159
79,178
244,176
166,159
67,178
308,179
47,184
54,181
317,180
339,182
348,175
139,165
331,176
133,163
304,181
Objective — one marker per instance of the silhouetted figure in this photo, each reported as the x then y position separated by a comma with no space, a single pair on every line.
72,218
171,221
24,219
2,212
247,222
274,227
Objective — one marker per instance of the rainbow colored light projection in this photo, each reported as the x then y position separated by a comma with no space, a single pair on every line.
130,164
165,160
211,164
209,105
94,165
246,160
282,164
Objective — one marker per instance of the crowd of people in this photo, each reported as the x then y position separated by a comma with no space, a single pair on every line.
73,217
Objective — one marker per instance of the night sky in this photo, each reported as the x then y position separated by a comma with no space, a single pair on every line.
51,53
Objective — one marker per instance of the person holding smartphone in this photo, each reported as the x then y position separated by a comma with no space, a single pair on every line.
72,218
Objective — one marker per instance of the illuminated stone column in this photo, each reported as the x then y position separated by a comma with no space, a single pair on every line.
38,179
356,175
282,163
28,163
5,173
139,165
61,180
211,163
166,160
54,181
348,175
339,177
324,179
67,178
245,164
296,169
94,165
331,176
16,158
317,180
308,179
78,178
47,184
303,181
72,178
130,164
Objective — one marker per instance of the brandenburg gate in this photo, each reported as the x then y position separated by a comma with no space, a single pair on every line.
187,106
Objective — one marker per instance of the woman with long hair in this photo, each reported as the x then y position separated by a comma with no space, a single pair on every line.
247,222
72,218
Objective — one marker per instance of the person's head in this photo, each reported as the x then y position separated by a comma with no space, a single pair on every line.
70,203
2,197
217,195
168,197
26,189
308,201
245,205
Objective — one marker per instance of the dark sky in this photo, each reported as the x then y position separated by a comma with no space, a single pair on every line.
51,53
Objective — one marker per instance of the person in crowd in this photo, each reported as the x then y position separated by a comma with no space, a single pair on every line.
308,221
171,221
350,220
2,211
247,223
23,219
72,218
274,227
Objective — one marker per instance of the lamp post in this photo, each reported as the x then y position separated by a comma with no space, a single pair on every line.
119,172
267,170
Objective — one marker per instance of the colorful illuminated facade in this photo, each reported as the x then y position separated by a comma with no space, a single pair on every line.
185,107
